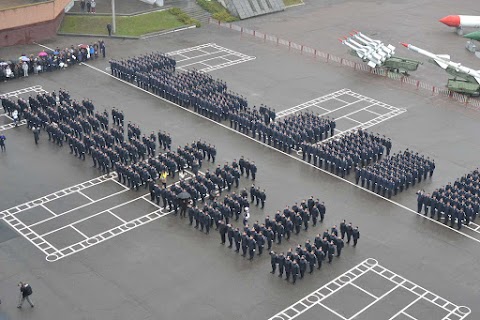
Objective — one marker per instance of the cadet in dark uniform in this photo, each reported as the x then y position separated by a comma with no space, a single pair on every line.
288,268
251,247
273,261
356,236
223,229
349,232
295,271
320,255
230,235
281,263
340,244
303,266
311,260
343,228
238,239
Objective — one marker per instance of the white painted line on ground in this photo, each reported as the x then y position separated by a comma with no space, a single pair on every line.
378,299
331,310
83,194
116,216
280,151
348,118
347,105
120,184
76,208
353,112
311,103
91,216
339,283
45,207
190,49
317,297
80,232
194,57
41,45
168,32
407,306
408,315
378,114
145,197
316,106
363,290
336,98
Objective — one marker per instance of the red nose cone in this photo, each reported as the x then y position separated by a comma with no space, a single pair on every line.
451,21
404,44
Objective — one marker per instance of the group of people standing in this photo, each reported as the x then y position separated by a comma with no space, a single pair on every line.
295,262
396,173
339,156
458,202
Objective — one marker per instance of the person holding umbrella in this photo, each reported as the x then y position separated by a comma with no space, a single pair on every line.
183,198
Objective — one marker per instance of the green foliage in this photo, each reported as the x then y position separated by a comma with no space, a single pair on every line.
183,17
224,16
291,2
126,26
217,10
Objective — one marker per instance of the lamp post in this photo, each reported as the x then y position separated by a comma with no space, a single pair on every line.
114,25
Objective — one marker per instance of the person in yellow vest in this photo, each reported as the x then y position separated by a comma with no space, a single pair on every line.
163,178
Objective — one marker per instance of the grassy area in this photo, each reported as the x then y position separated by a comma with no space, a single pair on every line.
217,10
127,26
292,2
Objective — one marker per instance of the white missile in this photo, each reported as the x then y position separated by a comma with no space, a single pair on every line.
443,61
461,21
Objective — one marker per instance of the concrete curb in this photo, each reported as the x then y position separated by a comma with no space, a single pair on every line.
95,35
117,14
161,33
143,36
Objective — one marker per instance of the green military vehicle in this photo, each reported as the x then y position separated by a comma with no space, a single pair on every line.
463,86
401,65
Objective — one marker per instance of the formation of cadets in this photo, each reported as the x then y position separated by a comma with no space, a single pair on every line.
156,72
357,148
252,239
87,132
396,173
207,187
295,262
458,203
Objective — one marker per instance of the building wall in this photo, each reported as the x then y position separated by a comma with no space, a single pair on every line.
35,22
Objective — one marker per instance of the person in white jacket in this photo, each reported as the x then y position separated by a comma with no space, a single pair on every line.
246,215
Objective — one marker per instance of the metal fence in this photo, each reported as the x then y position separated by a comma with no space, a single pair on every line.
330,58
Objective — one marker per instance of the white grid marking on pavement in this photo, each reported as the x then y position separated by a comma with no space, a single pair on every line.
53,253
369,124
208,55
317,297
317,103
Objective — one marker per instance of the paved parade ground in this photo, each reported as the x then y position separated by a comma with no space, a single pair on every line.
93,249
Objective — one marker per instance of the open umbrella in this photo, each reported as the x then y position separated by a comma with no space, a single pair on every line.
42,54
83,46
3,63
183,195
24,58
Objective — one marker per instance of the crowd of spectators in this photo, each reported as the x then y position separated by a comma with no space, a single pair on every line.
47,61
